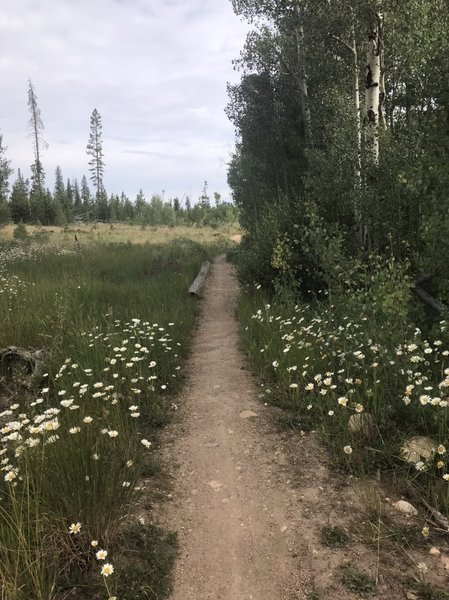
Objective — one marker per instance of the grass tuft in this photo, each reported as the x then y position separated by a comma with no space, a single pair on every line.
146,559
333,536
356,581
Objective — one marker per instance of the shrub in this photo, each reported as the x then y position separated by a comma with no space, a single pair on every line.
20,233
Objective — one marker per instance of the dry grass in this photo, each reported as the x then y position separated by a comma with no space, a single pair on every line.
120,232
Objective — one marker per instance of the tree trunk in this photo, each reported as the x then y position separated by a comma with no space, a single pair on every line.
358,212
373,85
302,80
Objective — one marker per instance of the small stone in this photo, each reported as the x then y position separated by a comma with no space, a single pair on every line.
411,596
444,560
247,414
215,485
211,443
405,507
434,551
362,423
284,528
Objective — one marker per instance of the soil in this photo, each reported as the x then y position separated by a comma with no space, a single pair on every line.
249,501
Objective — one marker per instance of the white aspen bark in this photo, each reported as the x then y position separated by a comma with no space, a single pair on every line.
302,80
358,213
372,85
382,119
303,86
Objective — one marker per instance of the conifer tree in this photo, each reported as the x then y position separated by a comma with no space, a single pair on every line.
69,201
36,127
95,151
77,204
85,194
19,201
59,191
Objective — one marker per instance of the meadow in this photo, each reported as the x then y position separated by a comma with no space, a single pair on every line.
113,318
89,233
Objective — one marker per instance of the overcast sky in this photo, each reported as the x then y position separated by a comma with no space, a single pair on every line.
156,70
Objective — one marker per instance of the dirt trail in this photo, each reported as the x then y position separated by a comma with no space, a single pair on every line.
250,502
235,517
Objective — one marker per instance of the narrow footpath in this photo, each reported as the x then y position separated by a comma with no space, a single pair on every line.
250,502
232,506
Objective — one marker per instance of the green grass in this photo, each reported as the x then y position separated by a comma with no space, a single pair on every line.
356,581
116,322
147,575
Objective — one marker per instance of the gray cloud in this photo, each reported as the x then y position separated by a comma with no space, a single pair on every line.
156,71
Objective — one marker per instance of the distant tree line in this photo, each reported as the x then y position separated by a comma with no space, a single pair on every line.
30,201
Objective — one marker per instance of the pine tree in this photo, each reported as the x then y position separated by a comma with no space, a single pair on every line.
36,127
59,191
69,203
77,204
128,207
95,151
85,194
19,201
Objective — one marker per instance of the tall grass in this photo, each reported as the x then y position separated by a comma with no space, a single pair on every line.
115,321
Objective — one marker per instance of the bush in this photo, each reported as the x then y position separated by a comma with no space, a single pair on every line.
21,233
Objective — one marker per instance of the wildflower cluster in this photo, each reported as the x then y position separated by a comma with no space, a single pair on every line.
354,383
140,364
13,253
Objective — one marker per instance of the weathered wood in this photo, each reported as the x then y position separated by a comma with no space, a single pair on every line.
32,360
195,288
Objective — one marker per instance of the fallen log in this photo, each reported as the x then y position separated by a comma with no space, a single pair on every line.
429,300
424,278
33,362
195,288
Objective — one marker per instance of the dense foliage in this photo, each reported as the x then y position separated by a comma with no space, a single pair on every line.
320,175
